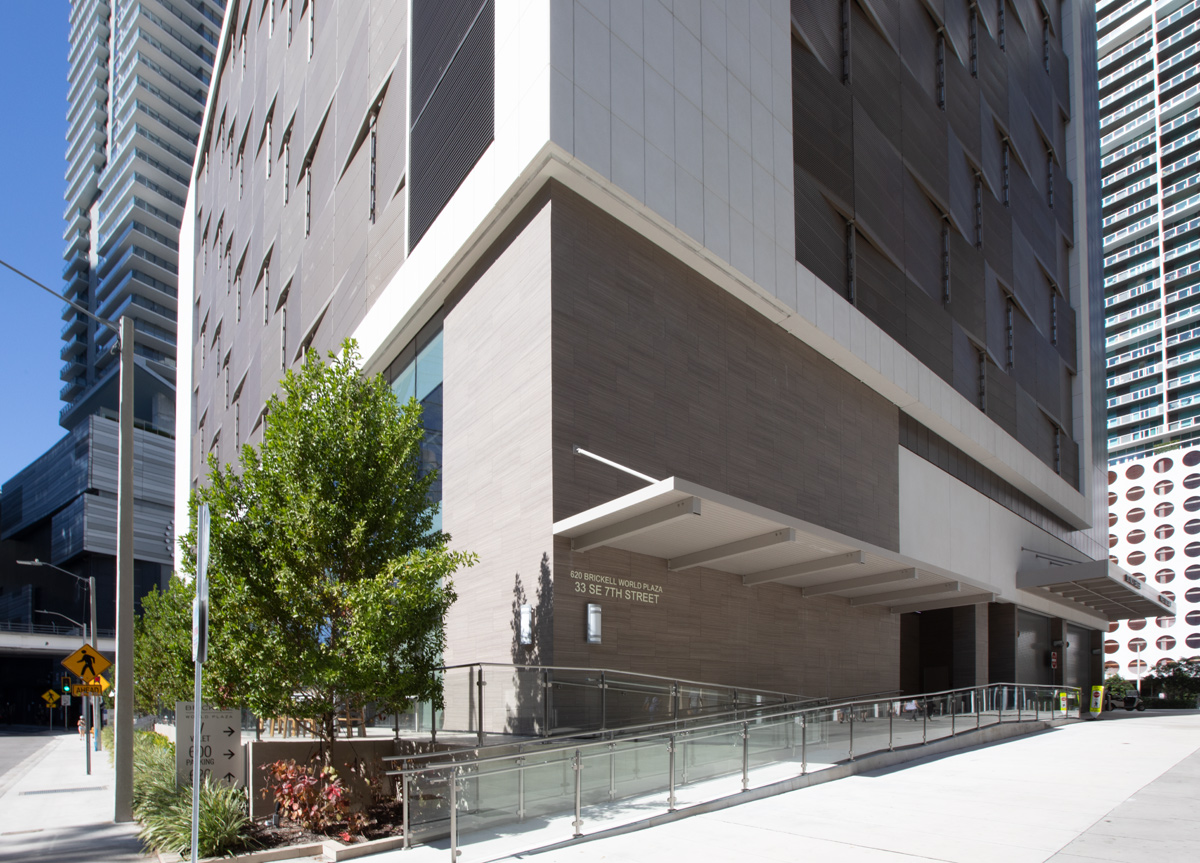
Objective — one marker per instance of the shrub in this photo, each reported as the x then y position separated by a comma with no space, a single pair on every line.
167,820
313,797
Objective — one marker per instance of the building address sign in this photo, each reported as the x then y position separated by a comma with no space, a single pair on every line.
608,587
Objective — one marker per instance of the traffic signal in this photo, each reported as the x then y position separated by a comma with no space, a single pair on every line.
66,684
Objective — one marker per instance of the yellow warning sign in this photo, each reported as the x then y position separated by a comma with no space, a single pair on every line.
87,689
50,697
87,663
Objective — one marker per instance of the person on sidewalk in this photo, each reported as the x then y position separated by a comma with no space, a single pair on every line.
80,725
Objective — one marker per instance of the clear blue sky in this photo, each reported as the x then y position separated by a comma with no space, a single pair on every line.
33,125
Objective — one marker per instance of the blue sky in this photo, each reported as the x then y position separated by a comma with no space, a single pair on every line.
33,109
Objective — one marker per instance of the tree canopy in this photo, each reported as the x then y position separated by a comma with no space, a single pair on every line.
328,584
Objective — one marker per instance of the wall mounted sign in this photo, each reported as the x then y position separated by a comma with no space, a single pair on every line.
593,584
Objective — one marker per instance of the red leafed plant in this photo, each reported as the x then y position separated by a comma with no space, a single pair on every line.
312,796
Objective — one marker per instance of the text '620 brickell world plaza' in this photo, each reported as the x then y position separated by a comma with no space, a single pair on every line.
827,276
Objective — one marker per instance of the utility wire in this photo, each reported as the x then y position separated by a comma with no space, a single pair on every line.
70,303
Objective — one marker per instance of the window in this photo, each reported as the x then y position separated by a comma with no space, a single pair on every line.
945,261
307,199
978,209
1046,44
271,19
1053,316
266,280
941,70
973,24
238,294
311,26
270,154
1164,531
1135,515
1004,169
1008,332
289,23
983,381
225,375
851,292
845,41
1163,465
1166,508
283,337
372,122
1050,178
1000,26
287,166
237,425
241,172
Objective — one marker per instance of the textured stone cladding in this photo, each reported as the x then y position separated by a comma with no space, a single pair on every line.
659,369
704,625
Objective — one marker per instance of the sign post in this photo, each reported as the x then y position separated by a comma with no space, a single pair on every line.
199,654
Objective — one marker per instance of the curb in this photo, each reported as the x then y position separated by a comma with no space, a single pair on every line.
330,849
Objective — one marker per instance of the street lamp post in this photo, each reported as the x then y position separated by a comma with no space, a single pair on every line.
87,753
123,722
91,583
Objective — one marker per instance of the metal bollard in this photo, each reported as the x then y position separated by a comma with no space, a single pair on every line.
612,771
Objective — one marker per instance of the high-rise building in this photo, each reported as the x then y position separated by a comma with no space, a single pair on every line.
139,76
138,81
1148,67
825,279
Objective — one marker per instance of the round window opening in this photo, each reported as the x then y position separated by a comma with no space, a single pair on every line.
1163,487
1164,576
1164,509
1136,558
1134,471
1135,493
1135,536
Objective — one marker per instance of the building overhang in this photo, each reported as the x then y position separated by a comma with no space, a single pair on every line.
1100,586
689,526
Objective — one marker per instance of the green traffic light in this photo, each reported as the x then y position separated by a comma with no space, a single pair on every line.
66,685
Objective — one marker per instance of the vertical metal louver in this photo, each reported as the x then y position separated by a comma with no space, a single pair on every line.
453,102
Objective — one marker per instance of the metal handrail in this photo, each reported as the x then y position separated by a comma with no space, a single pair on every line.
607,735
832,706
592,670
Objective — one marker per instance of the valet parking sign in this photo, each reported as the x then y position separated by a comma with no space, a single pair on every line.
220,748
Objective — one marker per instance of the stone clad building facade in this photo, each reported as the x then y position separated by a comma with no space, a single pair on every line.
819,280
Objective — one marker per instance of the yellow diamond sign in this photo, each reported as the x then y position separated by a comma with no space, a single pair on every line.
50,697
87,663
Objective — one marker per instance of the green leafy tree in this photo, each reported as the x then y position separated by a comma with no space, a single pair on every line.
329,585
1118,686
1178,679
162,656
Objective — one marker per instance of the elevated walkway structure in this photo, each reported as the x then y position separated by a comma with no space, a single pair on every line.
23,639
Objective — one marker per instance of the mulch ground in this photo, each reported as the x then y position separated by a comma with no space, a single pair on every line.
385,821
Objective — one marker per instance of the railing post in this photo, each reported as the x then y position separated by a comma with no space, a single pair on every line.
453,814
521,788
977,700
891,716
924,721
404,804
479,682
671,771
675,701
803,744
577,763
603,703
612,771
745,756
953,713
545,702
851,735
1020,696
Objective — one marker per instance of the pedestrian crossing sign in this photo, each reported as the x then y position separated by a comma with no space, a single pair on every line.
87,663
50,697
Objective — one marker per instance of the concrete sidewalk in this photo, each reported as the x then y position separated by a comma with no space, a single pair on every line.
1125,788
55,813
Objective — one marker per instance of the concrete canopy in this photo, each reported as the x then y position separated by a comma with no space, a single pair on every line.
1101,586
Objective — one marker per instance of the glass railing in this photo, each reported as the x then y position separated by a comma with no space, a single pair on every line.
489,700
562,787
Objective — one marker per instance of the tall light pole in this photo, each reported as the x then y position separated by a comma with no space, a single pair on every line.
91,583
123,722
